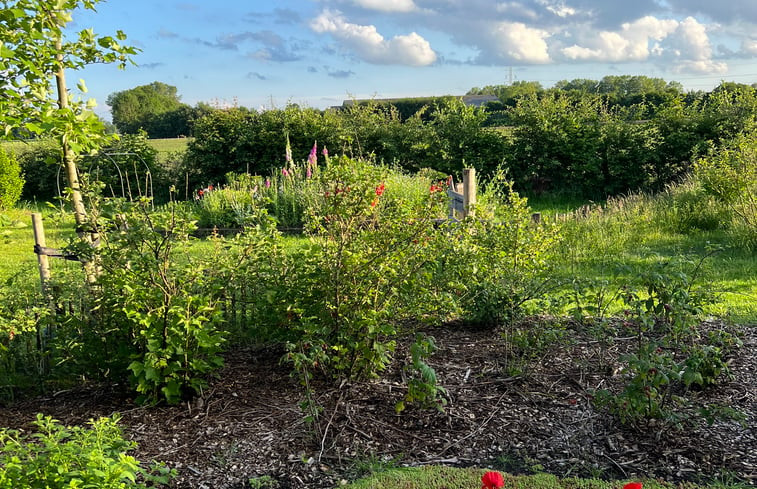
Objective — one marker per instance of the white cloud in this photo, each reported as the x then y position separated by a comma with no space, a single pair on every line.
691,48
517,41
700,67
369,45
749,46
631,43
558,8
684,45
388,5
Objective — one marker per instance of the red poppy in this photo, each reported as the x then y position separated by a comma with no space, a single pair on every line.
492,480
380,189
434,188
632,485
373,204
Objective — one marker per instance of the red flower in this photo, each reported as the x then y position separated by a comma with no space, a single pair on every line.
11,334
375,201
434,188
632,485
380,189
492,480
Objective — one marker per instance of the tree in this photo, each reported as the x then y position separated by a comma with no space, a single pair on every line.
11,181
509,94
35,50
154,108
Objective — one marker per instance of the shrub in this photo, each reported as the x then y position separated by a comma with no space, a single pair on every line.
729,174
162,301
502,258
42,165
129,168
349,285
11,181
59,456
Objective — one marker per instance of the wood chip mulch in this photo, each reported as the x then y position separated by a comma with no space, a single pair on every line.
249,424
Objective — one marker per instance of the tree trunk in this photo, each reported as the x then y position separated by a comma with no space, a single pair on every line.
88,236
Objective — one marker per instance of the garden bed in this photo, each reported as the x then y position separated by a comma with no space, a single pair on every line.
248,423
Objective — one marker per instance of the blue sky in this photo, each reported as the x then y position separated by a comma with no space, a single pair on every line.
319,52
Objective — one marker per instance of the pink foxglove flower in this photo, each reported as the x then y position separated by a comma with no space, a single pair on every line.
313,157
288,154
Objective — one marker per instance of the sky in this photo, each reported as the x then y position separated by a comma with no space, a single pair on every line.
317,53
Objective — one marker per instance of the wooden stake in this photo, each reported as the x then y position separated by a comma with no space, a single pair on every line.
42,260
469,192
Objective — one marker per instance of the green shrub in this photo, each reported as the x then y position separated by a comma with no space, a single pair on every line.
11,180
422,388
74,457
729,175
686,207
158,299
42,165
128,167
350,283
501,259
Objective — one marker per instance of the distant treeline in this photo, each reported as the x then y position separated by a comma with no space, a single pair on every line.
586,137
559,139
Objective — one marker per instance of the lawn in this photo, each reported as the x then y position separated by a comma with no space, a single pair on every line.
601,255
162,146
171,145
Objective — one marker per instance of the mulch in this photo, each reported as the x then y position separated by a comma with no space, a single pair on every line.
502,412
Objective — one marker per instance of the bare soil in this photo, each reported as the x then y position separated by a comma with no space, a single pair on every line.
249,424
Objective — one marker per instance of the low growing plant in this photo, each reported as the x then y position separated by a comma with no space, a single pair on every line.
74,457
422,386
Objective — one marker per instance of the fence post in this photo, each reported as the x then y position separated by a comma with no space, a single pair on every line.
42,260
469,192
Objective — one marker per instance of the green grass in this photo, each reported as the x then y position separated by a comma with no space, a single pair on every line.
162,146
17,239
632,233
437,477
165,146
16,147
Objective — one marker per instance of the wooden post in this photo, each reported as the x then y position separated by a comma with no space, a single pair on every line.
42,260
536,217
469,192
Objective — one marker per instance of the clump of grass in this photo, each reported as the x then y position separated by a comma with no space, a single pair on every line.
612,242
287,193
439,477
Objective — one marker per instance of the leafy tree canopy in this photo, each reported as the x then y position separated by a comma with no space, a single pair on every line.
155,108
35,49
